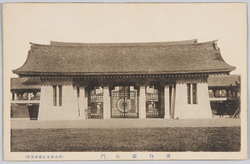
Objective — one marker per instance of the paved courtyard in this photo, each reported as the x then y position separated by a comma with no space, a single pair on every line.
125,123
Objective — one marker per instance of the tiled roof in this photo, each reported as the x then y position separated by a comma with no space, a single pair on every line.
55,43
223,80
25,83
123,59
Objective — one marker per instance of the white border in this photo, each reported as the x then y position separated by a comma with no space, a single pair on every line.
72,154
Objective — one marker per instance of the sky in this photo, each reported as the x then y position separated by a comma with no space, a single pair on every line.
105,23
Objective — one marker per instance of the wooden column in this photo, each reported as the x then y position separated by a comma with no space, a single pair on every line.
142,102
106,103
16,96
57,96
173,101
13,96
82,102
21,96
29,96
35,95
161,100
214,93
166,102
86,101
227,92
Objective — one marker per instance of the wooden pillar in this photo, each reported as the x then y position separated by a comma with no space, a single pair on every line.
142,102
13,96
83,104
227,95
159,100
34,93
81,98
57,95
173,101
214,93
162,103
21,96
106,103
86,101
166,102
29,96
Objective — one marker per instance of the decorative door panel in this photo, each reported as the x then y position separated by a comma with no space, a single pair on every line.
124,102
95,109
154,102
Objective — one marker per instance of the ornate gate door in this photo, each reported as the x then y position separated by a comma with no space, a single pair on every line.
124,102
154,102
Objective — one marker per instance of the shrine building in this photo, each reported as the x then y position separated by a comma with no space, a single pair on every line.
124,80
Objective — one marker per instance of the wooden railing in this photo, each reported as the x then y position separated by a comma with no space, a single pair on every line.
25,102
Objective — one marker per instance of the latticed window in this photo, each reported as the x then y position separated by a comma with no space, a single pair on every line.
54,95
192,93
189,93
78,91
60,95
57,95
194,89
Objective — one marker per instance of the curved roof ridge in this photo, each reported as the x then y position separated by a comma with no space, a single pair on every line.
56,43
175,43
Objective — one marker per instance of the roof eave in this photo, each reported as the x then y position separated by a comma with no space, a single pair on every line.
30,73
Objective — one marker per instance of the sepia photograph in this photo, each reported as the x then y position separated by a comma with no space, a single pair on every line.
124,81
